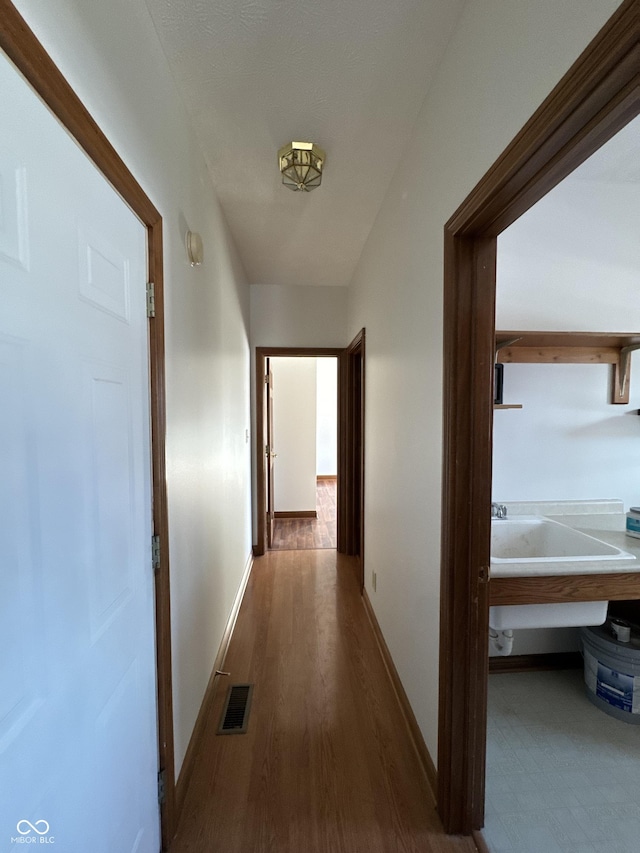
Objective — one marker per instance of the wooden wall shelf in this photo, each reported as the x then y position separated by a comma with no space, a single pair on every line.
573,348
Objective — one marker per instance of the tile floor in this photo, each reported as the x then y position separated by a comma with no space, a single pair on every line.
562,776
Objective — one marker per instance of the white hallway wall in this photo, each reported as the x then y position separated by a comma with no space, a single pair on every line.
284,316
502,61
110,54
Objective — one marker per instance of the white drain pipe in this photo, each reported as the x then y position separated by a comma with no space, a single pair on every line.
501,641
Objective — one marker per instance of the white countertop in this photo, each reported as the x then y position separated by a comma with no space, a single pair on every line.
604,519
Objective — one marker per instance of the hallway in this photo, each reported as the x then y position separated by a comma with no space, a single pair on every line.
326,765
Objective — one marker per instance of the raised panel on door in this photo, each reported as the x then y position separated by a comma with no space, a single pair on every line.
78,743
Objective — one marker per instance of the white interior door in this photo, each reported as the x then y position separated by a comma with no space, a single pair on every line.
78,744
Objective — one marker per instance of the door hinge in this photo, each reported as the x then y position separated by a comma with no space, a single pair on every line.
161,786
151,299
483,574
155,552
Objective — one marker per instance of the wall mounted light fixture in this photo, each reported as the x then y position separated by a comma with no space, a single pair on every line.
301,164
193,244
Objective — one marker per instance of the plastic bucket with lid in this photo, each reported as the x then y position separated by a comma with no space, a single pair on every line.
612,672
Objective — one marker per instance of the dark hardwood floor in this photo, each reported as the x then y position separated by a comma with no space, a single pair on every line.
290,534
326,765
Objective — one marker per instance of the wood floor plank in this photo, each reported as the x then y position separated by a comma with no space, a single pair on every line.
326,764
291,534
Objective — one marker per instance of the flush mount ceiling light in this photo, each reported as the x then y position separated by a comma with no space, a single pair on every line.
301,164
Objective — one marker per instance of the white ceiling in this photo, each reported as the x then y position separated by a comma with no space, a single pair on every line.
349,75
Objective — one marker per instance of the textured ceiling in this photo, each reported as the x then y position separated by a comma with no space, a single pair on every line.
350,76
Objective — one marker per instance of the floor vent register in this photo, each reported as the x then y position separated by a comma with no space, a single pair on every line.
235,715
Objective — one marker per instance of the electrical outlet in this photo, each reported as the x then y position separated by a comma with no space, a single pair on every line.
374,580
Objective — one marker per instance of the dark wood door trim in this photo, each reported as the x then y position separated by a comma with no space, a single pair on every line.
351,449
269,454
25,51
595,99
262,353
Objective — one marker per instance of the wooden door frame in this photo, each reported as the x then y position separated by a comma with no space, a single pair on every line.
598,96
262,353
24,50
267,433
351,451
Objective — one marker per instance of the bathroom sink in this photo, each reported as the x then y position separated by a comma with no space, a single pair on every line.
529,545
535,539
563,615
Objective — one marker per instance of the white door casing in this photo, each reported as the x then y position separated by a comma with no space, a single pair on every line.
78,727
